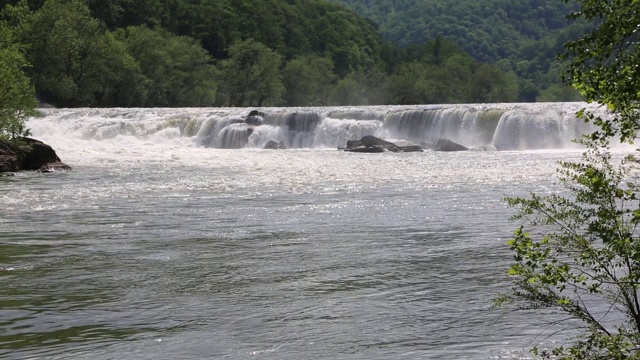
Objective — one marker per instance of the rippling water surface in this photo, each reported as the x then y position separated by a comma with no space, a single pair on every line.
161,251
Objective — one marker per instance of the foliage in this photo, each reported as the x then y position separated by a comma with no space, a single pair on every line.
17,101
184,53
585,260
604,65
524,35
587,263
308,81
176,72
67,51
251,75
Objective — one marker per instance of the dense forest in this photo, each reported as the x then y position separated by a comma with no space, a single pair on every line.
239,53
523,36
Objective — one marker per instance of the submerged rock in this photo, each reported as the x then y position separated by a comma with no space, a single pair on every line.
27,154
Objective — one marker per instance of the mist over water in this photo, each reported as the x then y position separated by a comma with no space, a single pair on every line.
176,236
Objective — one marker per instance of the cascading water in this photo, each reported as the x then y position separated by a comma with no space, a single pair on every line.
500,126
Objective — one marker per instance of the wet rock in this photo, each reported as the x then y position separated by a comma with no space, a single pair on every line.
274,145
36,154
370,140
354,143
257,113
9,157
374,144
255,118
448,145
54,167
26,154
364,149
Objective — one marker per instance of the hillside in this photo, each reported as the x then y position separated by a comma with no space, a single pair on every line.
241,53
519,35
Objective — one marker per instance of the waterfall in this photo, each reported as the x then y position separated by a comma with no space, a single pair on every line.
500,126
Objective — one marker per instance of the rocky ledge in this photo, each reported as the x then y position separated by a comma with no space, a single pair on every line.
29,154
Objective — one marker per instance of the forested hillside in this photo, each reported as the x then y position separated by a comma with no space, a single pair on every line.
519,35
236,53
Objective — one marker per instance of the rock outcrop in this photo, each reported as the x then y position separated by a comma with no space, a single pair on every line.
29,154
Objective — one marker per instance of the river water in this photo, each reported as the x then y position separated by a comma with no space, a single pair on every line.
162,245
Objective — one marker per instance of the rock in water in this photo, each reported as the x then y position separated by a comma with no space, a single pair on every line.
53,167
372,144
448,145
36,154
9,157
28,154
370,140
364,149
274,145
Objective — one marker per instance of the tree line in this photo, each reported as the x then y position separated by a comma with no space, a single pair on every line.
168,53
523,36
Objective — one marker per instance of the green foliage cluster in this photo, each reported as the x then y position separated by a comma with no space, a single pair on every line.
236,53
16,93
523,36
584,260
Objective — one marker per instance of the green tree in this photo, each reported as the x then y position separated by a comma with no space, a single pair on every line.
176,71
584,259
308,80
67,50
408,85
348,91
17,100
557,92
251,76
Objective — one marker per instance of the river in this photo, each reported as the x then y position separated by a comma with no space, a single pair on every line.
177,237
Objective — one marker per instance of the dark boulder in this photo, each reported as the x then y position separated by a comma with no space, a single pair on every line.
9,157
9,163
354,143
370,140
255,118
374,144
36,154
257,113
26,154
274,145
448,145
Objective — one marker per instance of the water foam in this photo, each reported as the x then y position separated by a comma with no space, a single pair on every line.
500,126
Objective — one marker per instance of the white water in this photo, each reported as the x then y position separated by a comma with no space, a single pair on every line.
503,126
